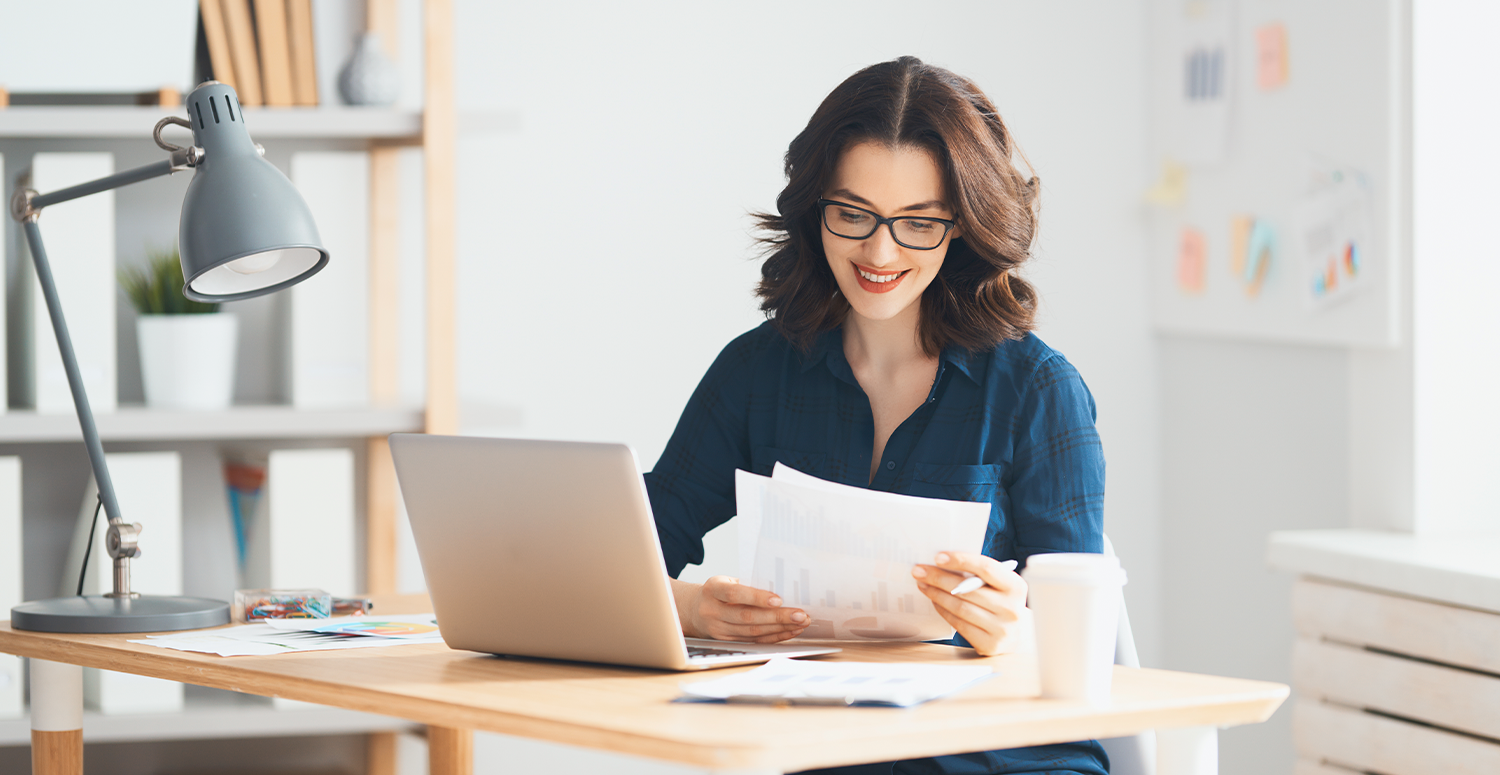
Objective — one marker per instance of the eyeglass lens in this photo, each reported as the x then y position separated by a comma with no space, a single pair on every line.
853,223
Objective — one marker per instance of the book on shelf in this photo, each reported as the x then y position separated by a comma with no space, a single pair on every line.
275,52
148,487
11,705
302,533
80,240
327,329
239,24
304,53
216,39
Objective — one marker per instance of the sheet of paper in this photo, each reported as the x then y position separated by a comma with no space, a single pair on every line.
262,639
844,554
405,627
1203,36
1332,233
842,683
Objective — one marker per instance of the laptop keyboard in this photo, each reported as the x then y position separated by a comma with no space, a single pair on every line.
705,651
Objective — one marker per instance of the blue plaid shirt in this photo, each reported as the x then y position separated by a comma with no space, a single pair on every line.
1012,426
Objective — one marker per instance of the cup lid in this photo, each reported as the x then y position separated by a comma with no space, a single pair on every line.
1073,568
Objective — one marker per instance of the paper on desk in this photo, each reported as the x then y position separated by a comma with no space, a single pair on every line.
844,554
407,627
261,639
817,682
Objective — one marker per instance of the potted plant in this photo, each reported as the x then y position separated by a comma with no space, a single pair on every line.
187,347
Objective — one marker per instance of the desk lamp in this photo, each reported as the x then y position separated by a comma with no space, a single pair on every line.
245,231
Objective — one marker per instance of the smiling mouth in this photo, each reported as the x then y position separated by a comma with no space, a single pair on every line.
880,278
879,282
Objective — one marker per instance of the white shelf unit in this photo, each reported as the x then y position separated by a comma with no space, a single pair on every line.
240,422
382,132
218,718
132,123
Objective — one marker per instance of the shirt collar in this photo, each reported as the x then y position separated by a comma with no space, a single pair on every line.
830,346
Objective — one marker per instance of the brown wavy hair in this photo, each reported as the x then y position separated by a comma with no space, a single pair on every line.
976,301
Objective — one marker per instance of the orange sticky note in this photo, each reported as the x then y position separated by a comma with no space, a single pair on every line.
1192,261
1271,56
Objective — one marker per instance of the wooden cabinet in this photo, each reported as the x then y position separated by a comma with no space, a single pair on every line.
1392,674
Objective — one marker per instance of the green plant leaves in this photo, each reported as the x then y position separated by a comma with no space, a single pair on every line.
157,289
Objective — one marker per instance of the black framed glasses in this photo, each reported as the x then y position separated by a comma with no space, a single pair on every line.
908,231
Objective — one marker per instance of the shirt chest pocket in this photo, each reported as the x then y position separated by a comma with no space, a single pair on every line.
956,483
764,459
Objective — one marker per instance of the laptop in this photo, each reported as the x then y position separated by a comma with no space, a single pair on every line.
548,549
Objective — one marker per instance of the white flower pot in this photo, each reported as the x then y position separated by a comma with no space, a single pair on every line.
187,361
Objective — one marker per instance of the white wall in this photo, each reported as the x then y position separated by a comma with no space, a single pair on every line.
604,248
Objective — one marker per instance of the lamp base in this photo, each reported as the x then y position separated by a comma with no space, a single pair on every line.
99,614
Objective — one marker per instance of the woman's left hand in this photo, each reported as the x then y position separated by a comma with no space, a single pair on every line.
993,618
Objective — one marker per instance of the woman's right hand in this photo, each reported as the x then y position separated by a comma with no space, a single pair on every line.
724,609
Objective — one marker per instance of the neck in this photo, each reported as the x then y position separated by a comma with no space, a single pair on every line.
884,345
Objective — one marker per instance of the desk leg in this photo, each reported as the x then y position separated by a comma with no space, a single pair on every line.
56,718
1187,751
450,751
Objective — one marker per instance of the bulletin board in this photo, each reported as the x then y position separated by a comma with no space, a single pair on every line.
1277,210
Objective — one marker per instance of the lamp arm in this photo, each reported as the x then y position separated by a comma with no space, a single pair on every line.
121,538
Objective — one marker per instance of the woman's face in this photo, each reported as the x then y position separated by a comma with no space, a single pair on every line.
880,278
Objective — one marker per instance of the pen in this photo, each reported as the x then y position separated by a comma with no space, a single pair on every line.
974,582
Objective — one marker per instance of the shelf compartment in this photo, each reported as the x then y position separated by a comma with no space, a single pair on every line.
240,422
217,721
117,121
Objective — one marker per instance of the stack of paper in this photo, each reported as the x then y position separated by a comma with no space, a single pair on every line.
285,636
810,682
844,554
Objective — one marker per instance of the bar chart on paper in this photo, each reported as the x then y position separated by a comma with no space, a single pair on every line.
846,558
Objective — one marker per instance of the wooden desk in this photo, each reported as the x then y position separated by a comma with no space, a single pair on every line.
630,711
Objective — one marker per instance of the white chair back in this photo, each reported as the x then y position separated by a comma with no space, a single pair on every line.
1134,755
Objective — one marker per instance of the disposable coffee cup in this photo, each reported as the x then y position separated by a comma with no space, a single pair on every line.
1075,605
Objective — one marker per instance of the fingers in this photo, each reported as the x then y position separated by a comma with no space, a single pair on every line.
730,610
730,590
997,574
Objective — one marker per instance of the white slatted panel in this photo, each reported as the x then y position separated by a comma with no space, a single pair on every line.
1458,636
1455,699
1366,742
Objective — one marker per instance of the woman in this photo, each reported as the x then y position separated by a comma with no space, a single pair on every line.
897,356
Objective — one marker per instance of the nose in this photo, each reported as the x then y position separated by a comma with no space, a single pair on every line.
881,249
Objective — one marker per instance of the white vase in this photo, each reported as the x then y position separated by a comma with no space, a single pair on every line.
187,361
369,77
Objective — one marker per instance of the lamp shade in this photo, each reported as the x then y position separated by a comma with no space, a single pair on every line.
245,230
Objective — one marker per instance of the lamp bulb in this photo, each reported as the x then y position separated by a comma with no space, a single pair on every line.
254,264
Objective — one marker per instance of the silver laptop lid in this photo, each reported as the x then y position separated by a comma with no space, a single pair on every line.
539,548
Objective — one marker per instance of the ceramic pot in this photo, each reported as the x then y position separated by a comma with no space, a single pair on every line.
187,361
369,77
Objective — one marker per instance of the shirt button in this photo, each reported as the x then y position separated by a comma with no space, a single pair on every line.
890,465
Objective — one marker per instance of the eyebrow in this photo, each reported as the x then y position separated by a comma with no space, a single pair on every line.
931,204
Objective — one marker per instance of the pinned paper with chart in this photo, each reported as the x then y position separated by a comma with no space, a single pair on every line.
844,554
1334,227
1201,107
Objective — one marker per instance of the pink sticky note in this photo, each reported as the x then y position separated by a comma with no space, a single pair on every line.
1271,56
1192,261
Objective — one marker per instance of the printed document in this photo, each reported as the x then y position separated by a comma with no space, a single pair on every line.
844,554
